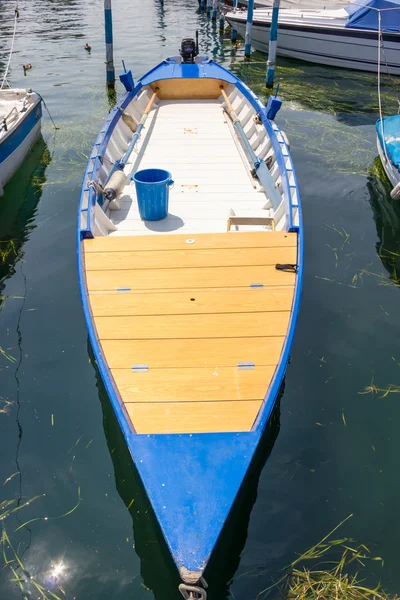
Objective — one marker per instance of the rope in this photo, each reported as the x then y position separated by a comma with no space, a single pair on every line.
380,44
11,50
48,112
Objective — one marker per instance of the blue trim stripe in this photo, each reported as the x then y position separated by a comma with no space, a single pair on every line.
15,138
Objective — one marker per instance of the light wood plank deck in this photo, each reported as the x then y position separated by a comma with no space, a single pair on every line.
193,417
234,257
184,278
242,239
198,301
203,352
192,326
188,311
217,384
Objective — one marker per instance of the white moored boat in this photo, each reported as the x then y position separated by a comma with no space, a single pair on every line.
20,118
191,306
342,37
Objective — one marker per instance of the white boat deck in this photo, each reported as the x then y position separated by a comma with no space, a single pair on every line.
192,139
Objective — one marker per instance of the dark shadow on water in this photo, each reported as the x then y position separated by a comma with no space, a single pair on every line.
18,207
157,567
387,220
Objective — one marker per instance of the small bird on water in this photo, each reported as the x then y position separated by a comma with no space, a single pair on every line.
27,66
87,47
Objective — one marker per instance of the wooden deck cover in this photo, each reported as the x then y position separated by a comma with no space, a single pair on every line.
190,312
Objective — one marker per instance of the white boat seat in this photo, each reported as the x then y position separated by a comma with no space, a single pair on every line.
261,217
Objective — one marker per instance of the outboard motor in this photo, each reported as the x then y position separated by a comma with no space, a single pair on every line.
189,49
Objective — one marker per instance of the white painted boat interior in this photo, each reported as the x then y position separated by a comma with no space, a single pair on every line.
195,140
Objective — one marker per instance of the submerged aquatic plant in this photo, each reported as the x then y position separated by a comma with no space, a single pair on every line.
334,573
7,247
20,574
6,355
12,560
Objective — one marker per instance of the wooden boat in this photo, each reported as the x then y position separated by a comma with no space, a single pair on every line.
388,142
340,37
20,118
191,317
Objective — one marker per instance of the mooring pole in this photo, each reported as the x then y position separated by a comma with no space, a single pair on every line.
273,38
214,11
221,19
234,32
249,24
109,44
202,4
209,2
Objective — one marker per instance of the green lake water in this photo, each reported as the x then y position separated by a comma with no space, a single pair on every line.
332,447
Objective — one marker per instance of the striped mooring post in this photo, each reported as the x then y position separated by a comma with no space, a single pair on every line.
109,44
209,3
221,18
234,32
273,38
214,10
249,25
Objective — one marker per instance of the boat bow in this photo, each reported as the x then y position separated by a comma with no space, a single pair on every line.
195,477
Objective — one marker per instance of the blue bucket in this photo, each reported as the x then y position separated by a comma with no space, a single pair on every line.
152,190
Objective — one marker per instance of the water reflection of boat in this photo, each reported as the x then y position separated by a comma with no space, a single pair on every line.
388,140
387,219
17,207
156,562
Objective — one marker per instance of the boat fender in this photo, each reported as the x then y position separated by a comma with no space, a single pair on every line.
395,193
129,120
114,187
